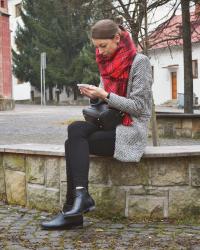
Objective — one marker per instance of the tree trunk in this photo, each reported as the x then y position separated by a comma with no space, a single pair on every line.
155,137
75,90
50,93
187,54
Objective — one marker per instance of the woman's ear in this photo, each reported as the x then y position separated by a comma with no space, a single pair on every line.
117,38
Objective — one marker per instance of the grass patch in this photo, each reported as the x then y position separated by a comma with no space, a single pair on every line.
69,121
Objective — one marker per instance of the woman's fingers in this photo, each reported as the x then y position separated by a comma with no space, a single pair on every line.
93,91
87,92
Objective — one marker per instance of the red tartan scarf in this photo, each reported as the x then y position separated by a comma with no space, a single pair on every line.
115,69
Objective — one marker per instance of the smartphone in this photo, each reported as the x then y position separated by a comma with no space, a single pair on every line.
83,85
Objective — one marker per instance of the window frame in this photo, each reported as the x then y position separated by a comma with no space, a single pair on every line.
195,69
2,4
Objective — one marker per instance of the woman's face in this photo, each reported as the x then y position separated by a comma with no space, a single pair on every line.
107,47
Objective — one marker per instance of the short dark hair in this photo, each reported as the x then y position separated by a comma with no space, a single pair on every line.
104,29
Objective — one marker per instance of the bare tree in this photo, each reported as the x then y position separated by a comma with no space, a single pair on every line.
187,54
155,137
133,13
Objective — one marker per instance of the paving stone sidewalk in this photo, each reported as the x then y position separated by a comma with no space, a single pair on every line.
20,230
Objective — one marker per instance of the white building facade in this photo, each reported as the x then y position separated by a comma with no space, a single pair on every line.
168,72
166,56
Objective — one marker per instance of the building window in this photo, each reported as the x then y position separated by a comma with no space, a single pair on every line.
2,4
18,8
195,69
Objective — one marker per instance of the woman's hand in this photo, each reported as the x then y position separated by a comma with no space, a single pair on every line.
93,92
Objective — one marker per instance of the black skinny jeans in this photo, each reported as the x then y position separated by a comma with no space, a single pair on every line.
84,139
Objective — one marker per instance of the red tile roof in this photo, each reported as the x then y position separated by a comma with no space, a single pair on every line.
170,32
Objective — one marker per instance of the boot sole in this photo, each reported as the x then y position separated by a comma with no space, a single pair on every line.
78,226
89,209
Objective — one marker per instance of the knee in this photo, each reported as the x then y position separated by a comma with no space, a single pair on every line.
75,129
66,144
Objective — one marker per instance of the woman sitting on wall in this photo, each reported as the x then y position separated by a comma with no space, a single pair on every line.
126,86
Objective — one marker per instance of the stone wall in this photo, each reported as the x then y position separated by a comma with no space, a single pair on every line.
166,183
6,104
178,125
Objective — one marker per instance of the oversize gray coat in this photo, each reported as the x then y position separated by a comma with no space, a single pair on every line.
131,140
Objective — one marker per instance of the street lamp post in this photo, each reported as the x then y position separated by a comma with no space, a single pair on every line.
42,77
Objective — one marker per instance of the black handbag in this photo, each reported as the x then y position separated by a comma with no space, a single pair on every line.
101,115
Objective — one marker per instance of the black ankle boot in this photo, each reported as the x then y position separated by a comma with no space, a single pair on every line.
83,203
66,207
59,222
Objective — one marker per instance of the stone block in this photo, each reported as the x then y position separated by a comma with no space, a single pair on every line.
62,166
137,190
195,171
147,190
149,206
161,192
178,132
196,125
173,123
109,200
2,179
184,201
195,175
14,162
129,174
169,129
15,187
196,134
35,167
43,198
187,124
187,127
186,133
169,172
52,172
161,132
6,104
160,124
177,123
98,173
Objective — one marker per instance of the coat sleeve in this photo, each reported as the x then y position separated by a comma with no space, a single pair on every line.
140,81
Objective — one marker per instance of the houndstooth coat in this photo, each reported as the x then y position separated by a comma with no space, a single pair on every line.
131,140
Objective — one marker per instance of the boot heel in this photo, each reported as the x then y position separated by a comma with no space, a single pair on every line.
91,208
